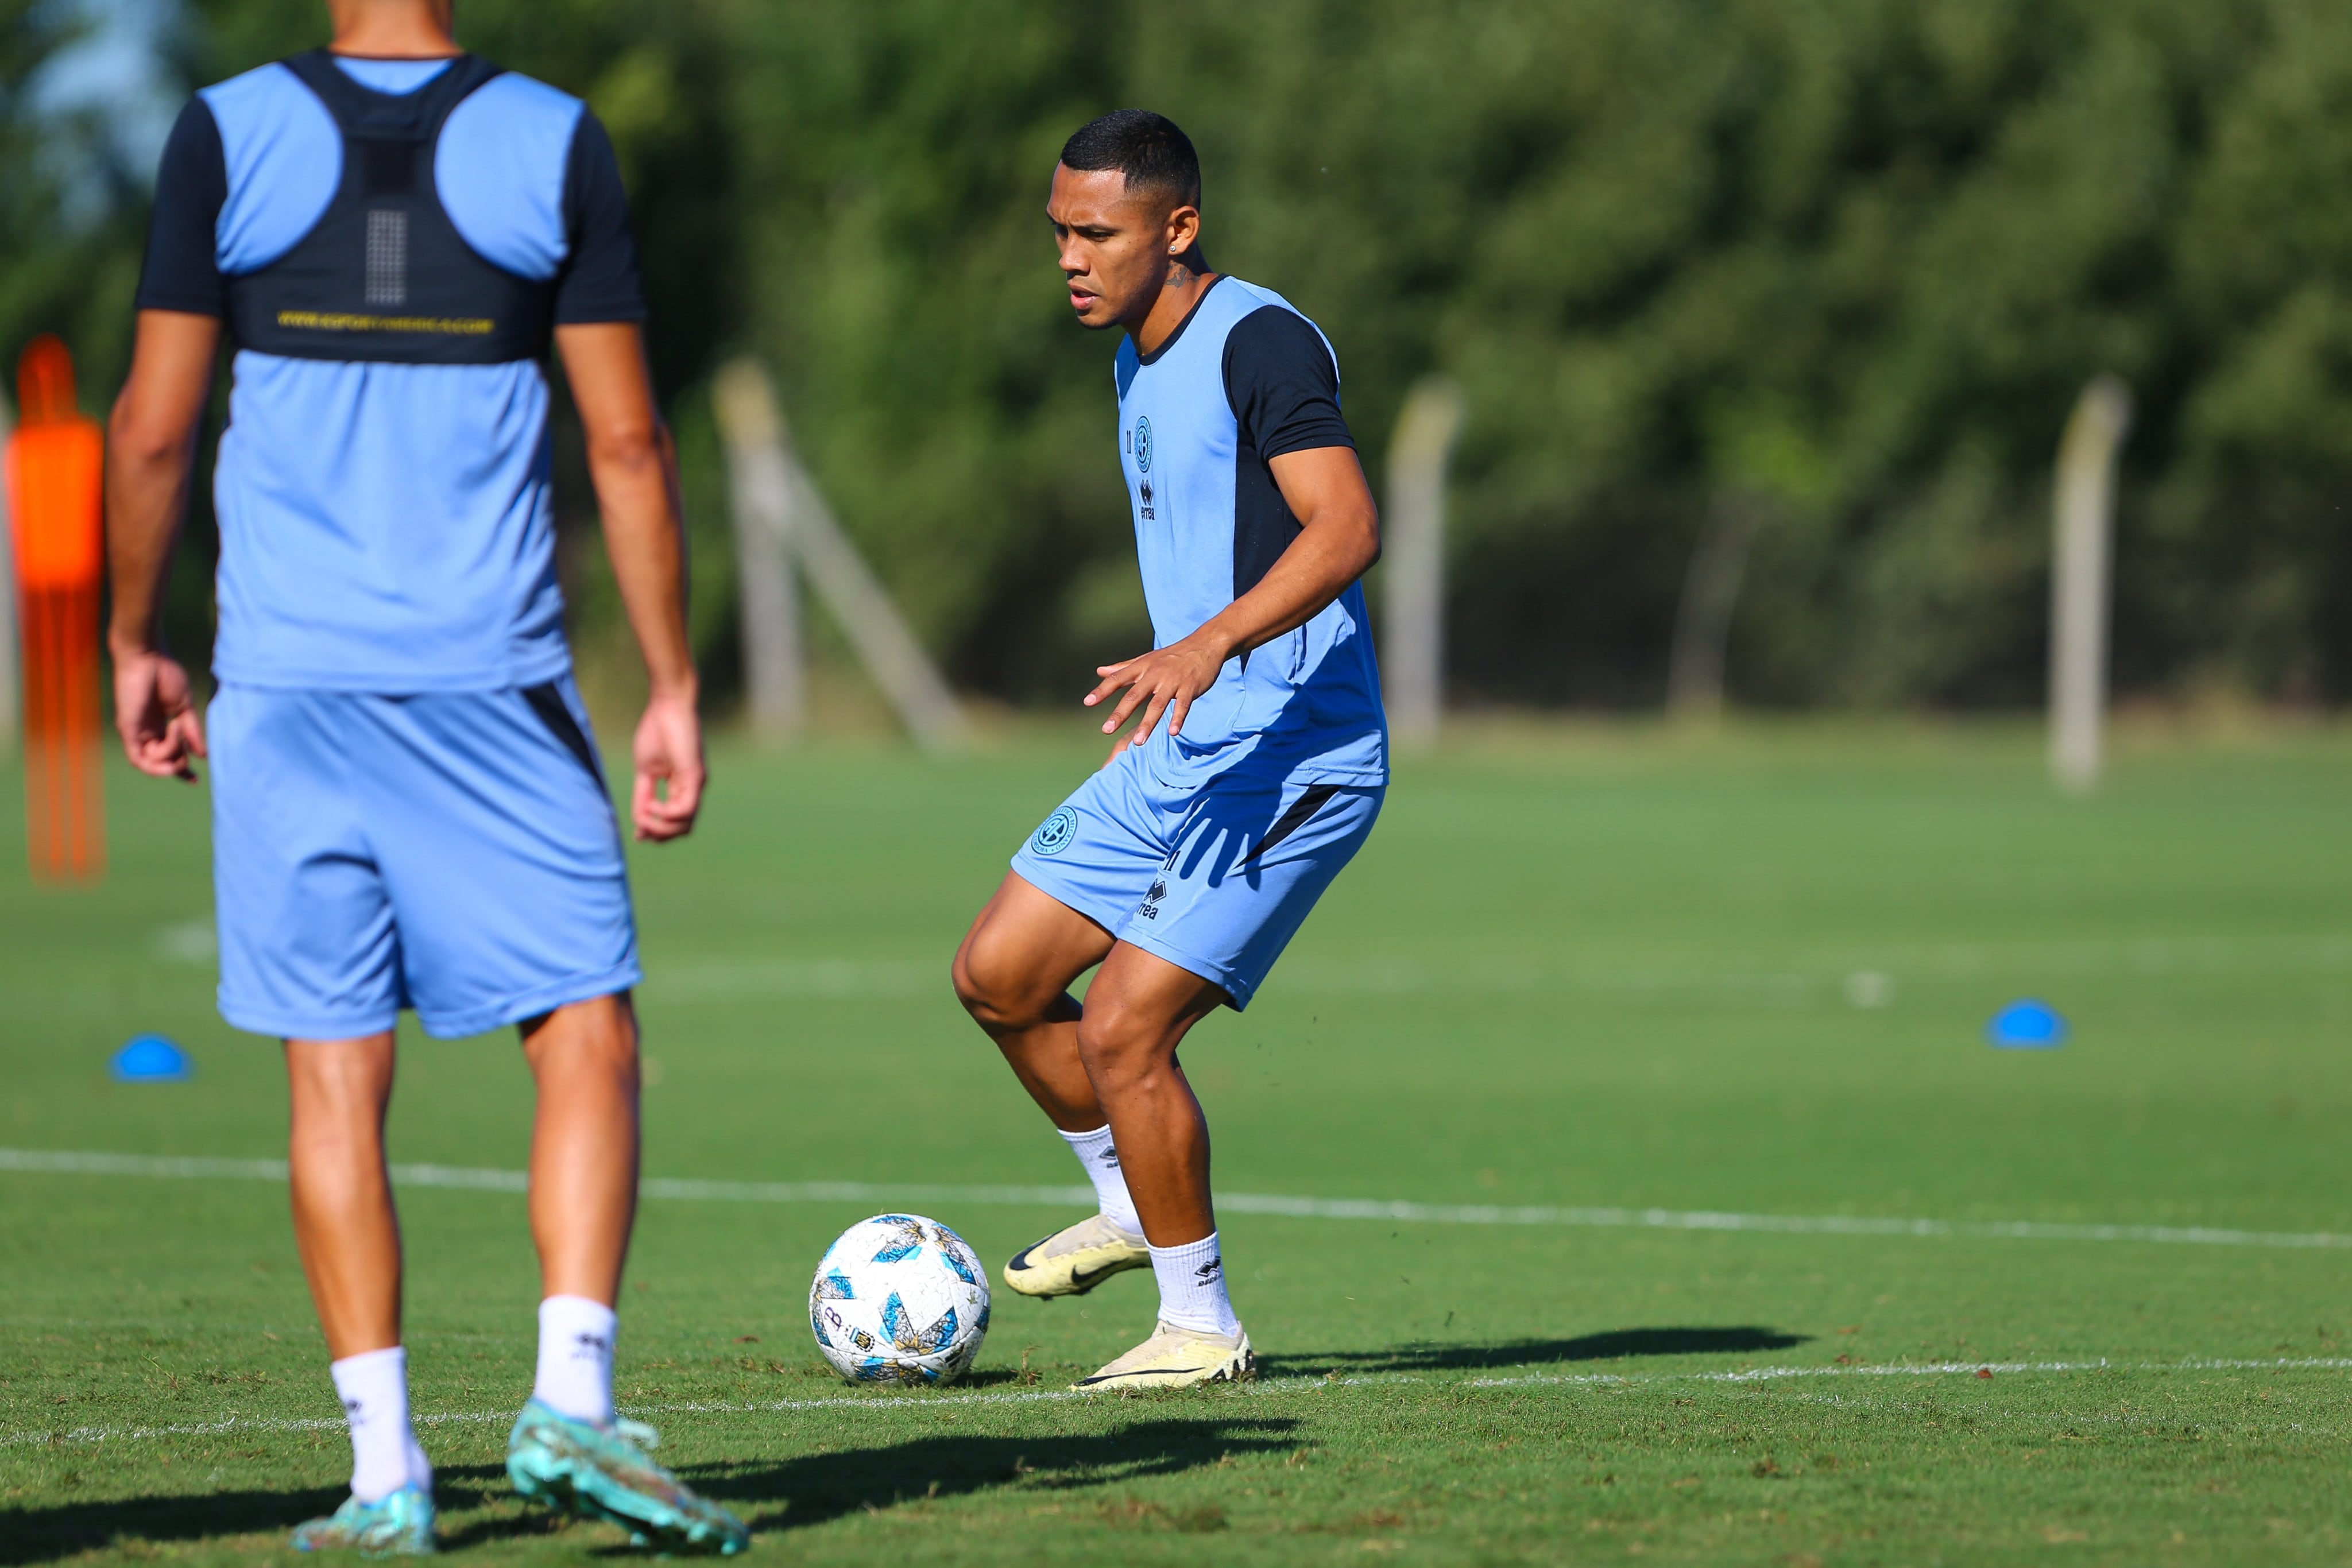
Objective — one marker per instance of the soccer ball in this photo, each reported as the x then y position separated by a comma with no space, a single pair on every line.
899,1299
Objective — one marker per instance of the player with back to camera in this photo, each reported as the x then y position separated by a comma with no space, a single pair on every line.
407,806
1186,864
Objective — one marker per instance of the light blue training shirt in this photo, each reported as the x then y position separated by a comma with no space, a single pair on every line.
387,527
1245,378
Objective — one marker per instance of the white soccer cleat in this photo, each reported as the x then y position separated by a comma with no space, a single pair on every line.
1177,1358
1075,1260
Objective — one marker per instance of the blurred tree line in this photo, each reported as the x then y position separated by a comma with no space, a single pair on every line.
1835,268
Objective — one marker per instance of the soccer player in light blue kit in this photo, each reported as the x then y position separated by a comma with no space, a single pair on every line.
407,806
1189,862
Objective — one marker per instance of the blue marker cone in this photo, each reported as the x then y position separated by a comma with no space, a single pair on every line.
151,1059
2027,1025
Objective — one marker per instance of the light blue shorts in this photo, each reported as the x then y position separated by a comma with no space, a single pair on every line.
1216,878
452,851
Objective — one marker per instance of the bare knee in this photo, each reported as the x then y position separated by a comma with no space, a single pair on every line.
997,991
1122,1046
332,1083
599,1035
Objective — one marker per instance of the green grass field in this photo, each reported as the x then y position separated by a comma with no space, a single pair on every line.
1579,968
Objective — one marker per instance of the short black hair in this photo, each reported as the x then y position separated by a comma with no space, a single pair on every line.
1147,147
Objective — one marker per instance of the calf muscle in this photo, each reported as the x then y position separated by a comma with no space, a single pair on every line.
1138,1012
583,1146
1109,1059
344,1222
1013,974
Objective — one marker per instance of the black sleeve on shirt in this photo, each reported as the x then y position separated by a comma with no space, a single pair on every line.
1281,385
1283,390
599,280
182,270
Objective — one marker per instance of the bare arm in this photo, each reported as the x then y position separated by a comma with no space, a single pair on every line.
149,453
634,468
1339,538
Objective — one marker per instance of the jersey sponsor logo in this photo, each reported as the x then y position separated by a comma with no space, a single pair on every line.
1143,445
348,322
1148,512
1054,836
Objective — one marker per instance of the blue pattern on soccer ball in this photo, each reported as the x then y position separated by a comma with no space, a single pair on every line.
906,1244
903,1333
952,1257
816,1322
979,1324
835,1287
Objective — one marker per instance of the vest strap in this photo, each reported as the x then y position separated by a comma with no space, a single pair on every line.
384,275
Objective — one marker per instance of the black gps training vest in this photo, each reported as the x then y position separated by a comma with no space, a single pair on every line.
385,275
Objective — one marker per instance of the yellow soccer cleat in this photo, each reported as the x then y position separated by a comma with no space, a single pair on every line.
1075,1260
1177,1358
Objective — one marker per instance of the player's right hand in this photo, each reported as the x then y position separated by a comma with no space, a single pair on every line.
1169,679
160,731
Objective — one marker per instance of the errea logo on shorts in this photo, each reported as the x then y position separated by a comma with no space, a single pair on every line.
1054,836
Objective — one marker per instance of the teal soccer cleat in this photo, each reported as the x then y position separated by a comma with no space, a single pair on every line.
399,1526
601,1473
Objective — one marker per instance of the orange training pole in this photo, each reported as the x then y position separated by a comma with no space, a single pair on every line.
55,465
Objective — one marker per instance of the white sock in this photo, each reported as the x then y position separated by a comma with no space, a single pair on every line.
1192,1287
575,1358
385,1455
1096,1152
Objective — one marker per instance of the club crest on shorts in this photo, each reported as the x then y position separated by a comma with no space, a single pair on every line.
1054,836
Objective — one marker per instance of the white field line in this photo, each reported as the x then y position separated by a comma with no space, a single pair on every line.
1932,1369
1297,1383
1787,976
73,1163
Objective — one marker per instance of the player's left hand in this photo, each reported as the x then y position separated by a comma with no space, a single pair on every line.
1165,680
670,773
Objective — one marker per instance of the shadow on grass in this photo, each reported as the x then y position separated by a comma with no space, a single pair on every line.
45,1534
787,1495
1618,1345
820,1486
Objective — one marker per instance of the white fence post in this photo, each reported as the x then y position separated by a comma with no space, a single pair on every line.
787,503
1710,593
1413,661
2081,574
774,670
